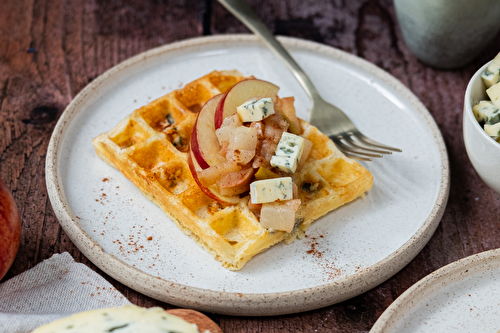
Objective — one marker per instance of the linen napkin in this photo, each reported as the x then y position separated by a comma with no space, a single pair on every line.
55,288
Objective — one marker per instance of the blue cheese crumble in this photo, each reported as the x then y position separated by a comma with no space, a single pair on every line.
491,74
255,109
487,113
288,152
271,190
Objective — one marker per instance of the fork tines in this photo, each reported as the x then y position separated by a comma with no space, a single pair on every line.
358,146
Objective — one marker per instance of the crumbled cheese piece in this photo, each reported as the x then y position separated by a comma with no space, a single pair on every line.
494,94
288,152
284,164
486,112
255,110
271,190
491,74
489,78
492,130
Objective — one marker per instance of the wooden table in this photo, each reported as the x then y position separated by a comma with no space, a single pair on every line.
51,49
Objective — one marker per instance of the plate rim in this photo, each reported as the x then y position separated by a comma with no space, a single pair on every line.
233,303
440,278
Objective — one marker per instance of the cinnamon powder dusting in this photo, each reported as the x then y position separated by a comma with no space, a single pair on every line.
128,244
314,251
327,266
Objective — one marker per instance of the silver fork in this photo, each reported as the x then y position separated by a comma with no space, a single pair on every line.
328,118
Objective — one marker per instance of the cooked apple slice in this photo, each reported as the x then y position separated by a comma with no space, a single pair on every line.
240,93
279,215
211,175
212,191
305,154
235,183
285,105
204,143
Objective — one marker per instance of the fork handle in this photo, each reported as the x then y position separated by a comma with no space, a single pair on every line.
245,14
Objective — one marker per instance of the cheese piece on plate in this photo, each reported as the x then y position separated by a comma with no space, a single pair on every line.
486,112
255,109
270,190
288,152
127,319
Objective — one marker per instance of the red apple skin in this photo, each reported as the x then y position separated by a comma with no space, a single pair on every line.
204,143
219,112
194,167
239,94
10,229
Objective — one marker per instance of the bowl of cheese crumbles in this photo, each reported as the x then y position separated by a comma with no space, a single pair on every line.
481,122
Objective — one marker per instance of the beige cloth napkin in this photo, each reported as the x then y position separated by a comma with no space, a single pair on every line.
53,289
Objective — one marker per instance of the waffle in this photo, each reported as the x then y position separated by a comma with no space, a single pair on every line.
150,147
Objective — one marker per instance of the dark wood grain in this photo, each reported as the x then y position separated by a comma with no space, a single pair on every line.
51,49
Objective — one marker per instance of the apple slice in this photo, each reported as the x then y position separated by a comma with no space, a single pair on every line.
204,143
279,215
285,105
212,191
239,94
235,183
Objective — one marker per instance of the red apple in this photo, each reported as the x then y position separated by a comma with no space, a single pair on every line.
239,94
211,191
10,229
204,143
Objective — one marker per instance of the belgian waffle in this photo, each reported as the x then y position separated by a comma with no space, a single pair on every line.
150,147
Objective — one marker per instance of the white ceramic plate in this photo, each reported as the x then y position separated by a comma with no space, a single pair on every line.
463,296
345,253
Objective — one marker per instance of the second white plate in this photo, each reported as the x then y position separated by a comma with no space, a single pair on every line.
463,296
346,252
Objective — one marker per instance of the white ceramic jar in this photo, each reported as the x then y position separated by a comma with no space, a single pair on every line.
447,33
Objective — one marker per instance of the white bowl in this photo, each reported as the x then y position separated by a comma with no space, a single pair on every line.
483,151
